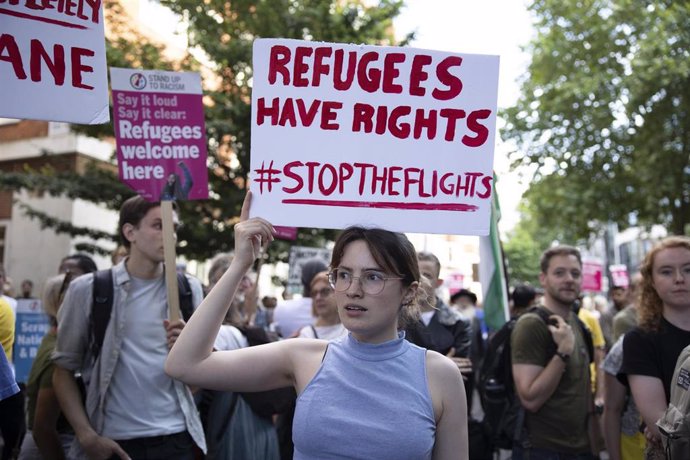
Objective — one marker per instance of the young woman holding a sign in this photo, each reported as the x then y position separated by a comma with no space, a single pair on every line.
369,395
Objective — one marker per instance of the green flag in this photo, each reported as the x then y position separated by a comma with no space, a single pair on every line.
492,274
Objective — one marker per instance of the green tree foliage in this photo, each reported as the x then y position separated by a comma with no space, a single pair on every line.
605,115
96,184
524,246
522,259
223,32
126,47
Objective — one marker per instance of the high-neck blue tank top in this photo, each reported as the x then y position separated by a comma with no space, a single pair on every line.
366,402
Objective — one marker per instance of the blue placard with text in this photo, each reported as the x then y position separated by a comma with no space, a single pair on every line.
30,327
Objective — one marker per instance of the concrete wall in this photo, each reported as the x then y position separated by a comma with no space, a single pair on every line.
35,253
32,252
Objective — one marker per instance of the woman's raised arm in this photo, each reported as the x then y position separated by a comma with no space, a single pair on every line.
192,360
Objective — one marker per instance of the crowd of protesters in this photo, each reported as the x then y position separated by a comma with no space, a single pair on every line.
369,362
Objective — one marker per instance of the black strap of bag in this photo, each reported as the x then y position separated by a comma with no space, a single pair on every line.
102,306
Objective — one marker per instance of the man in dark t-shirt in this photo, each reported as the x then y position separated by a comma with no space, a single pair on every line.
553,386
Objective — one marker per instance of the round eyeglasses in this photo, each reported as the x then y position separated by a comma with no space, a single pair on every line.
371,282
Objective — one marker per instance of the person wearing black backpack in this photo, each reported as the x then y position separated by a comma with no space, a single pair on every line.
132,409
550,356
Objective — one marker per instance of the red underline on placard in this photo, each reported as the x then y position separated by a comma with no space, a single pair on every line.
41,19
385,205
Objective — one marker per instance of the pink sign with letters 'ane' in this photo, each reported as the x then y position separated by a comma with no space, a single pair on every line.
159,128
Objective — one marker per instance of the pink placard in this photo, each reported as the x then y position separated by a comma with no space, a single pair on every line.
285,233
160,133
619,276
455,282
592,272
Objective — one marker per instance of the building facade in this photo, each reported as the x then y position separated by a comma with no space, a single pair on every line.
27,250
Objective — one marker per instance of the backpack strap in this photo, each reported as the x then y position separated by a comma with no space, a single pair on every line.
101,308
102,305
542,313
586,333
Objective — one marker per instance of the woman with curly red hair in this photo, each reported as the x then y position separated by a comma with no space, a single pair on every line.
650,351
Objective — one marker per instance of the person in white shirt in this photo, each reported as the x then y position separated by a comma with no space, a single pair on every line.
132,409
292,315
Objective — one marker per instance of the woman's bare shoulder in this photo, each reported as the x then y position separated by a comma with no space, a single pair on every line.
294,349
441,368
306,344
306,356
302,350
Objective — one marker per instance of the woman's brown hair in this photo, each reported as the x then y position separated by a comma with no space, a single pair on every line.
393,252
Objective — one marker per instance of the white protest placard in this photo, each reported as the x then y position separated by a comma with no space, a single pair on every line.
52,61
398,138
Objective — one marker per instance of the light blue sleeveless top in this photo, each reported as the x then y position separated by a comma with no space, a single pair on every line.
366,402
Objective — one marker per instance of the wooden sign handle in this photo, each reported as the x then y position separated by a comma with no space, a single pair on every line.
169,242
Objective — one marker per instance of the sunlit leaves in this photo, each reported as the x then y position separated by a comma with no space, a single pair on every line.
604,113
